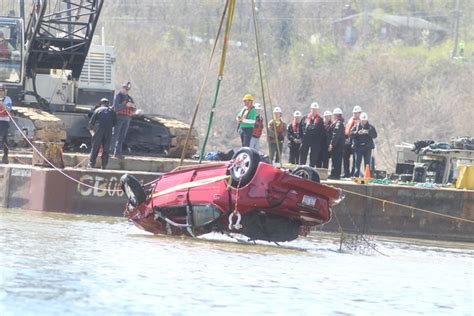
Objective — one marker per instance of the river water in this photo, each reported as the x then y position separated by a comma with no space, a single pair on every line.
62,264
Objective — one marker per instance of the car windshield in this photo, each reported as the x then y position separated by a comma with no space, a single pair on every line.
11,44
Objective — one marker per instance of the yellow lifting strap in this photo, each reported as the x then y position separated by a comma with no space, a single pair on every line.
228,26
230,17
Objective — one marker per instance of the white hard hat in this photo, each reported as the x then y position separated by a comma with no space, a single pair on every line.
357,109
327,113
277,110
127,85
337,111
364,117
139,112
297,113
315,105
258,106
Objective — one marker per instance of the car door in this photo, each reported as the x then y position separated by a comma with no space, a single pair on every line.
208,195
172,189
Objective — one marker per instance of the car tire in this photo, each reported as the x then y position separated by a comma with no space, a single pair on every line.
307,172
244,166
132,189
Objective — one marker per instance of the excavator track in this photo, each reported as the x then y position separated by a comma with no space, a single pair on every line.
39,125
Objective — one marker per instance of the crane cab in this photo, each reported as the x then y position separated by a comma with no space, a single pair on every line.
11,51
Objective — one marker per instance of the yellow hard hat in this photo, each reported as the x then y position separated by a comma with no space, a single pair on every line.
247,97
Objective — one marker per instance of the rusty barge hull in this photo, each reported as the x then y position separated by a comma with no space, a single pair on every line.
43,189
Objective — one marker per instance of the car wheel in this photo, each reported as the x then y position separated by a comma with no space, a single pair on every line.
244,166
306,172
133,189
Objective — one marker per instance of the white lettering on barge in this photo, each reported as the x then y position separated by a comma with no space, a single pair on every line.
102,187
20,172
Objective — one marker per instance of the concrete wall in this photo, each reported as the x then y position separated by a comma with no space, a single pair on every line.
137,163
4,186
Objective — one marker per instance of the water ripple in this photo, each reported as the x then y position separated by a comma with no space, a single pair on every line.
54,263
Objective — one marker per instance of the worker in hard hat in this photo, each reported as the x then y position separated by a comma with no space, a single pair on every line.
295,134
324,157
246,119
124,107
258,128
348,150
100,125
336,145
5,108
313,133
277,132
363,135
6,49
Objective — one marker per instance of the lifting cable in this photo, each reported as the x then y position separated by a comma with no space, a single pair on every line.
412,208
228,26
201,89
260,69
257,44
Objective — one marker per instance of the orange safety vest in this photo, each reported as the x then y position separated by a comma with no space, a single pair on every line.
258,129
350,125
3,112
128,111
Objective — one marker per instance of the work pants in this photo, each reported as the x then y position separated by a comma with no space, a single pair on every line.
255,143
102,138
275,152
294,153
348,153
336,159
245,135
119,133
4,125
360,153
314,149
324,157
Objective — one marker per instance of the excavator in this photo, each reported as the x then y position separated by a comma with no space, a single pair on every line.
55,75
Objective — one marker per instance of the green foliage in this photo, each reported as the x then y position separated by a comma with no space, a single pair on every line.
425,55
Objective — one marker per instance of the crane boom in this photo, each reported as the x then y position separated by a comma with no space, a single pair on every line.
61,37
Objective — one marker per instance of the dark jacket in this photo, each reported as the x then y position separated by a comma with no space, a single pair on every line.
337,133
363,141
313,127
328,130
120,104
103,117
91,112
294,133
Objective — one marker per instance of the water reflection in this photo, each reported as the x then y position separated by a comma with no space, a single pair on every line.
67,264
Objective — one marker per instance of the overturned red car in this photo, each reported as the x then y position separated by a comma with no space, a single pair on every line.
244,195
